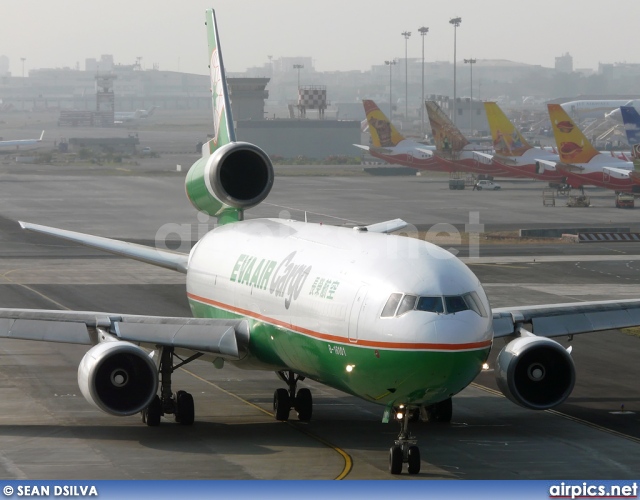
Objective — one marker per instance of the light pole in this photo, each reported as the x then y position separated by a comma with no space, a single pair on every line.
456,22
471,62
23,59
390,64
299,67
406,35
423,31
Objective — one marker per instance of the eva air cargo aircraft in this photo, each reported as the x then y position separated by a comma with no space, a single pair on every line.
392,320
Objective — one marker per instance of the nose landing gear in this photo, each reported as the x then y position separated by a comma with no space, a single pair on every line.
404,449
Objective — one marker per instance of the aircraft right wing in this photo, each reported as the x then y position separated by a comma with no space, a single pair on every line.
556,320
542,165
428,152
366,148
383,227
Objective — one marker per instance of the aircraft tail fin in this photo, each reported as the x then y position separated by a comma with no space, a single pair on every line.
573,146
223,130
507,140
231,176
446,135
383,133
41,136
631,120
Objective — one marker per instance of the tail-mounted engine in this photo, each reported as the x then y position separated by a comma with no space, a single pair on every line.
118,377
535,372
236,176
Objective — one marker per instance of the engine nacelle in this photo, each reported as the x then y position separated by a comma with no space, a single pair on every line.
237,175
535,372
118,377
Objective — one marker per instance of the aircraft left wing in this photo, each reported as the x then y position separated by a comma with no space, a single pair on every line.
228,338
617,173
163,258
484,155
556,320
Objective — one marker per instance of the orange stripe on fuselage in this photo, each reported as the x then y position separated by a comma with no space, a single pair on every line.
334,338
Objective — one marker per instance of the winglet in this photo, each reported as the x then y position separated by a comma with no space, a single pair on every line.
41,136
223,132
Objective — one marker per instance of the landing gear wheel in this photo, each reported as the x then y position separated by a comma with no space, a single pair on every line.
438,412
413,458
304,405
184,408
395,460
281,405
152,413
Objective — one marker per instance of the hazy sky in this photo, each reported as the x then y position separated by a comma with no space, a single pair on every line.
337,34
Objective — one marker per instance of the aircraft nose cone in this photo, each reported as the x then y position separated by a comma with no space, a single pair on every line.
465,327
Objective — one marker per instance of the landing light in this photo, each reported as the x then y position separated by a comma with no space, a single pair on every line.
485,366
399,416
350,368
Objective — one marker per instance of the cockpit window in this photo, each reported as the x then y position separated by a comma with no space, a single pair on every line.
455,303
475,304
408,303
399,304
390,307
430,304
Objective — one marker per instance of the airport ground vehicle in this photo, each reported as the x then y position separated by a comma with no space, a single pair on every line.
625,200
579,201
480,185
456,184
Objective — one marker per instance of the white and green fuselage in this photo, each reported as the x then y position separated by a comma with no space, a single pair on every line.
314,294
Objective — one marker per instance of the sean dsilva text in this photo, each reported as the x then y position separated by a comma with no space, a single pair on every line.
57,491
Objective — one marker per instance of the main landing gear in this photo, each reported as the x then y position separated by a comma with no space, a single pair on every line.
284,400
180,404
405,449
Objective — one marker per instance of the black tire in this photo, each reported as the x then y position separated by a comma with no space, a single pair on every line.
414,460
479,188
304,405
185,412
441,412
498,187
281,405
152,413
395,460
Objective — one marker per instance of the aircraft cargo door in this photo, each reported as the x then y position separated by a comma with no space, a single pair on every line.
356,311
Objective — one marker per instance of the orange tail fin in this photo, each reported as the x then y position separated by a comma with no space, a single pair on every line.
445,134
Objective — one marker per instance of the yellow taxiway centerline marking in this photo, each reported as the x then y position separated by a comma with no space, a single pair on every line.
348,462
